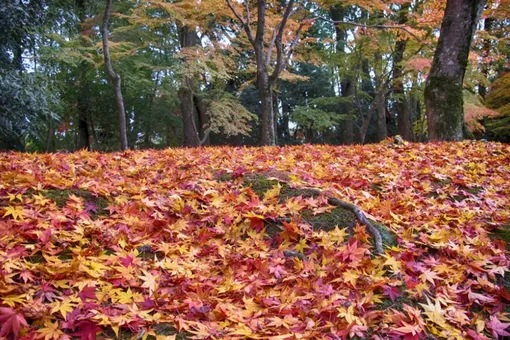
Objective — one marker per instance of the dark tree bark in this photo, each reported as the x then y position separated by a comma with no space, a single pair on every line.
188,38
346,128
380,99
403,117
488,23
266,82
114,78
203,121
443,90
83,104
83,141
275,114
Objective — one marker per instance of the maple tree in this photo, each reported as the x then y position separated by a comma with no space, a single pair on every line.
114,77
283,38
192,242
443,91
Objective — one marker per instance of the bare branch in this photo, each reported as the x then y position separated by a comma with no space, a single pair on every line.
245,24
271,45
278,42
294,43
248,17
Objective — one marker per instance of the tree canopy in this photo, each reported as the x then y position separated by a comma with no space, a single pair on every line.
237,72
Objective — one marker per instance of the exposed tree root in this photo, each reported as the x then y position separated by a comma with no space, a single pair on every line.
376,234
281,176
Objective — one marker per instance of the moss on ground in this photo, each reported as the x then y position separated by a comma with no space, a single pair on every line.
503,234
338,216
60,197
389,238
162,329
398,304
260,184
328,221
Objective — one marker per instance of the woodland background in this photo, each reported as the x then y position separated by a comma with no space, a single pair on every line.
339,72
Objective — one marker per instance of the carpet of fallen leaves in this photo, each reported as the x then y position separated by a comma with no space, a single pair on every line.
175,250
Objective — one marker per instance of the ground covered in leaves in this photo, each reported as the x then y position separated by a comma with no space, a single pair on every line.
184,243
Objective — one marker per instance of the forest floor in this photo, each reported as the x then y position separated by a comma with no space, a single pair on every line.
241,243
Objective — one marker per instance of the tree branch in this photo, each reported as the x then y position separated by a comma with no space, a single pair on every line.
278,42
104,33
294,43
271,45
245,24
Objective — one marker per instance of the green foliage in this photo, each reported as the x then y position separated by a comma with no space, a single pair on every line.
27,104
324,112
316,119
18,20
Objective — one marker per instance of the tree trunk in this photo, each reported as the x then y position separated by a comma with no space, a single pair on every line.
266,99
337,13
83,138
443,90
488,23
203,121
275,114
265,92
188,38
114,78
83,141
380,99
403,117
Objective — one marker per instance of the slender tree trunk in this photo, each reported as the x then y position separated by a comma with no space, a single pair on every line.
83,140
337,13
49,136
114,78
203,121
265,94
443,91
380,99
188,38
285,121
403,117
488,23
275,115
83,104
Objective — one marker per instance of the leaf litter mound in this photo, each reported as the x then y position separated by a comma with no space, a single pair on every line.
244,243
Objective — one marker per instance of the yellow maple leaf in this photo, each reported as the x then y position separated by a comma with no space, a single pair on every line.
301,246
64,307
50,330
16,212
395,265
434,312
149,281
12,197
272,193
337,235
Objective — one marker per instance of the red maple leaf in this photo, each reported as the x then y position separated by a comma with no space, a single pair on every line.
87,293
391,292
88,330
11,321
498,327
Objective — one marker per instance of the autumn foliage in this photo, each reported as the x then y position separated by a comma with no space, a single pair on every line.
171,243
